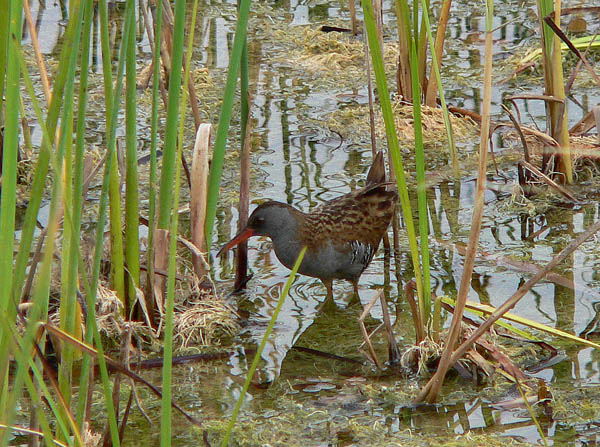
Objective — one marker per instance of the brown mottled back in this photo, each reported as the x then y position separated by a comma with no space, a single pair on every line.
362,215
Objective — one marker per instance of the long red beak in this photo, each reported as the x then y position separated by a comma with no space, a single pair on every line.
239,238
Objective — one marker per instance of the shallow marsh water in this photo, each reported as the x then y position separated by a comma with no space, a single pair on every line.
301,158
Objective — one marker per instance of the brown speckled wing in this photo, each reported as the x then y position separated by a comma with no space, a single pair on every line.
362,216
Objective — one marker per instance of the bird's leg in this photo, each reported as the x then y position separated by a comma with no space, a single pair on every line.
356,297
329,286
328,304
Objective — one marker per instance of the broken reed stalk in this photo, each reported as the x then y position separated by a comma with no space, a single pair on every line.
352,8
523,176
558,32
514,299
31,27
571,80
403,81
440,35
543,177
555,86
241,271
198,192
431,390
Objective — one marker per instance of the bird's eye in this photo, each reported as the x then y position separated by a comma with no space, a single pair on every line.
260,221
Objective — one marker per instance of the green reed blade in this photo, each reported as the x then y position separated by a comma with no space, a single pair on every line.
78,190
392,139
132,237
436,71
216,167
261,347
165,426
165,197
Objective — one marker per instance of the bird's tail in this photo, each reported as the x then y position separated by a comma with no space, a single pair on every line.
376,173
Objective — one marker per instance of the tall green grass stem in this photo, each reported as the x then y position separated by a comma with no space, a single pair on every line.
436,70
4,42
165,198
41,292
216,167
425,299
165,426
64,160
392,139
156,60
132,237
91,290
9,161
261,347
8,195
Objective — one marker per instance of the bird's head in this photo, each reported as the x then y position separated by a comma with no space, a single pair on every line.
268,219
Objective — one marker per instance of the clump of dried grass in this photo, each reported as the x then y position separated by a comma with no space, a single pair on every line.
434,127
109,316
351,124
204,320
485,357
419,356
320,51
201,321
90,438
202,79
334,54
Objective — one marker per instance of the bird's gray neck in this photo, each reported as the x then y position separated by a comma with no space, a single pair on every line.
285,238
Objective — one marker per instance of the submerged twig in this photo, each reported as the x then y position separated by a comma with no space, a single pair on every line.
367,340
394,351
559,188
418,322
112,364
523,178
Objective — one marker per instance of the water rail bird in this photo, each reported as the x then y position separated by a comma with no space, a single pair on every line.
341,235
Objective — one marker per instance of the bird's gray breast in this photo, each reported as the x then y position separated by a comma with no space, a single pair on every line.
334,262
